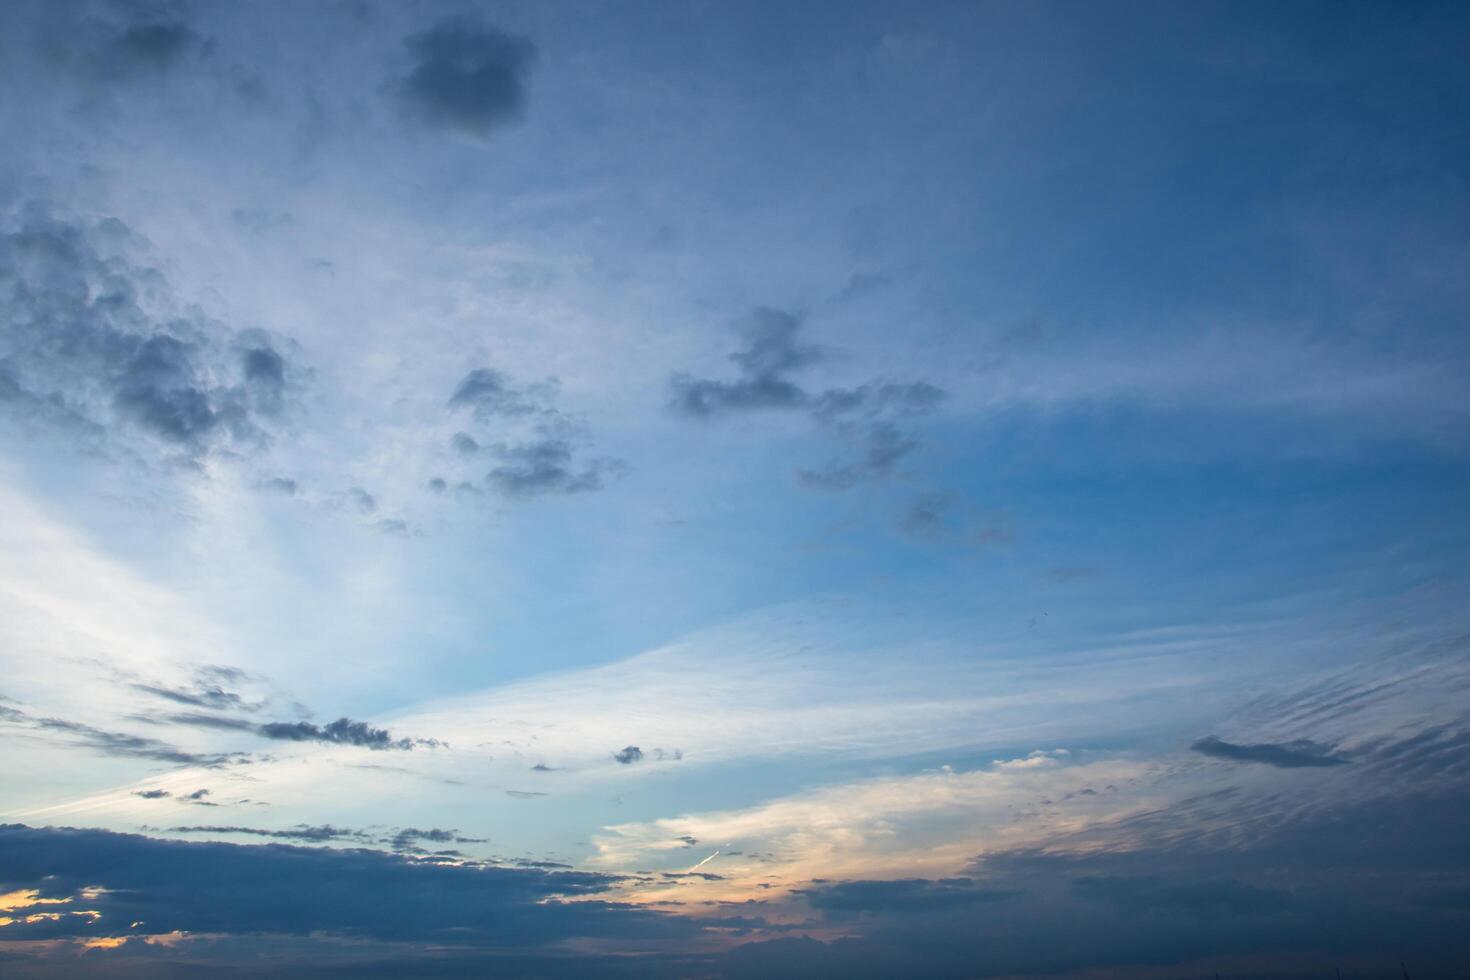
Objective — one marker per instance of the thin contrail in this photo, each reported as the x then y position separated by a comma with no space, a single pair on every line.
704,862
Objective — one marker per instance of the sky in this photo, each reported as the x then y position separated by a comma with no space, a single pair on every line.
734,490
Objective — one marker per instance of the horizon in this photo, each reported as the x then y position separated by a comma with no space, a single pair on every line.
734,489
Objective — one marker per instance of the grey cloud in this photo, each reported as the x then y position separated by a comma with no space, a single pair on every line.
1209,896
768,365
362,500
343,731
155,47
523,794
488,393
532,469
771,353
629,755
875,399
544,460
1290,755
92,347
302,832
407,838
280,484
112,743
200,696
152,794
283,889
906,894
467,75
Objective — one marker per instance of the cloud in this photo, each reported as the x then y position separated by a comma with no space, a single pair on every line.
152,794
320,834
767,367
532,469
906,894
1040,759
282,889
489,394
406,838
96,345
938,516
111,743
467,75
1299,754
1215,896
770,355
543,459
928,517
629,755
155,47
343,731
205,692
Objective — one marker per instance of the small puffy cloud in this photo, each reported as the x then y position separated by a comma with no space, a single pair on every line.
1040,759
467,75
629,755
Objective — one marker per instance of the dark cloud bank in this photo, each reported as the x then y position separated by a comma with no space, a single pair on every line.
1265,885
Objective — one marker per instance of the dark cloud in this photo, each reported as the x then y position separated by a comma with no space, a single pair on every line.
94,345
770,355
1214,897
544,460
1290,755
489,394
152,47
906,894
343,731
628,755
467,75
535,468
407,838
767,367
321,834
152,794
282,889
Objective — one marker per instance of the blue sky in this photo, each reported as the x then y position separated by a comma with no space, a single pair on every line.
733,489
